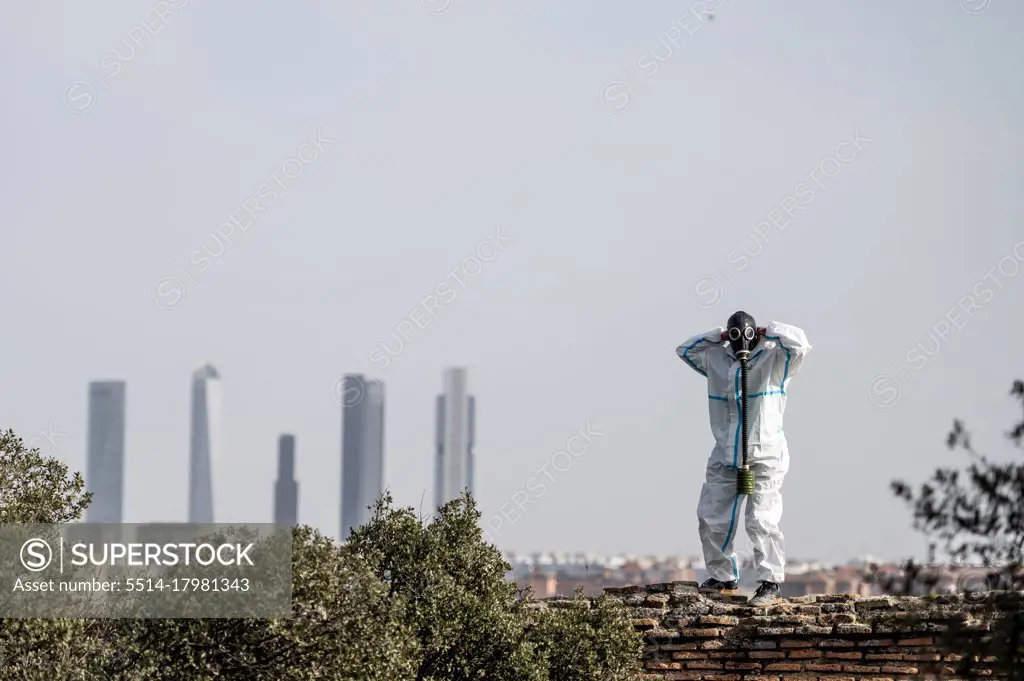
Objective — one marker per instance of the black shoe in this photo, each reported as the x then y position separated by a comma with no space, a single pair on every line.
766,594
718,585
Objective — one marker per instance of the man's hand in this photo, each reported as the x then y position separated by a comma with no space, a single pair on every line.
761,331
724,336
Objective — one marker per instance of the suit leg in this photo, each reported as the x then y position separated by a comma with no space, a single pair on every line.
717,519
763,516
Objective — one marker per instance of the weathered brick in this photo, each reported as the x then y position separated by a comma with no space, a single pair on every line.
862,668
685,598
719,620
667,634
795,643
713,644
656,600
743,665
755,621
881,628
923,657
780,609
663,665
878,643
758,645
808,610
783,667
699,633
704,665
759,677
875,603
805,654
678,646
838,618
721,677
883,656
929,641
813,630
793,619
804,599
899,670
766,655
837,607
843,656
643,624
837,598
728,655
822,667
836,643
853,628
689,655
683,676
774,631
624,590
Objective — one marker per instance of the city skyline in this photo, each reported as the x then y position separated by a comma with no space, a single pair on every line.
454,437
362,450
105,457
106,405
205,443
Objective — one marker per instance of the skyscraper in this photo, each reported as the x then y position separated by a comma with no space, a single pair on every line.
286,490
362,450
205,446
105,456
456,432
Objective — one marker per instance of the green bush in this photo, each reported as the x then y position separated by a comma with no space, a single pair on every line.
403,599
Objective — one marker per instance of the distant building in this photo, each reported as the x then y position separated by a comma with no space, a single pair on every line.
454,439
104,475
205,443
286,489
362,451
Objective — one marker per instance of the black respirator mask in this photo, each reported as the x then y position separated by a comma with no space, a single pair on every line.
742,332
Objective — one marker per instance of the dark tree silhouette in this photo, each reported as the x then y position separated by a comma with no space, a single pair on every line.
975,517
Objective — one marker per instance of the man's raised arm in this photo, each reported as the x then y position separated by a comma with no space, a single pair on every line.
692,350
792,340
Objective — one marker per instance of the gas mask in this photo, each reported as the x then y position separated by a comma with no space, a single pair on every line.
742,334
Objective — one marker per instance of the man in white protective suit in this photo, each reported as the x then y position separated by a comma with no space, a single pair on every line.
776,352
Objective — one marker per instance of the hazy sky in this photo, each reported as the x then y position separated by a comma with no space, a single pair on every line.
133,131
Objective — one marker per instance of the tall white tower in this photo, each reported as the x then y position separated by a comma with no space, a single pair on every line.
454,441
104,475
205,447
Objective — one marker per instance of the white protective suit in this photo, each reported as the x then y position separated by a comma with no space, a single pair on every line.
774,361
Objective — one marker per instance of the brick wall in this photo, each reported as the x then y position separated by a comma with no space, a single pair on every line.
692,634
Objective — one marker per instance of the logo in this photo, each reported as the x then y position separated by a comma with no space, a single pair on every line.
974,6
79,97
437,7
36,554
884,391
169,293
706,291
348,393
616,97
